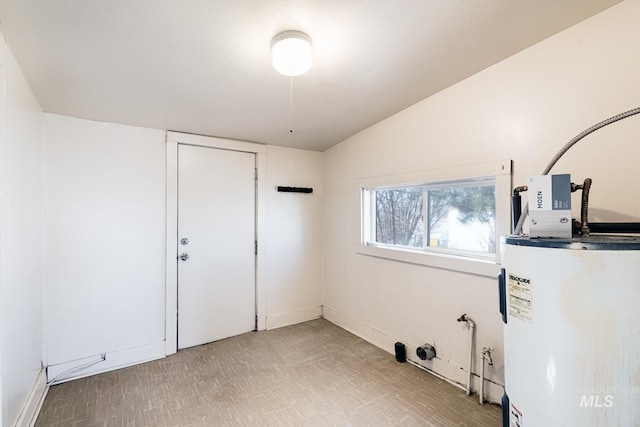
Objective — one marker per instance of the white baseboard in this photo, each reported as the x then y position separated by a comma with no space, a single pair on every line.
356,327
34,401
113,360
453,374
292,317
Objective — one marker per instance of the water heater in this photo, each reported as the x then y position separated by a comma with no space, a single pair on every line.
571,313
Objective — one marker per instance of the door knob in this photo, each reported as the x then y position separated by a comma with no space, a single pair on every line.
184,256
184,241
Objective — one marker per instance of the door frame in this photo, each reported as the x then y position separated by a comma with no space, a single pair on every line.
171,303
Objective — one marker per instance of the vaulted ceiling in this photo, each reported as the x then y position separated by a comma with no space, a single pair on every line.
204,66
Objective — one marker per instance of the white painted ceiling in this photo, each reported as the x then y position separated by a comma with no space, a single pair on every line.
204,66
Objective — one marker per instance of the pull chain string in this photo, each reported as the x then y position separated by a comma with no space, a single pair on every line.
291,104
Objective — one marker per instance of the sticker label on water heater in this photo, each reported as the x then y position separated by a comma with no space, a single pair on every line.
520,298
515,417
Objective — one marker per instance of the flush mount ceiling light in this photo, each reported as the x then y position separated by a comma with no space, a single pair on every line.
291,53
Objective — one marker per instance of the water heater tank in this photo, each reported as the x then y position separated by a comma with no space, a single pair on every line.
571,313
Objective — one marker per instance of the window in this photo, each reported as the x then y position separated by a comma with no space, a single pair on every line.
456,217
449,219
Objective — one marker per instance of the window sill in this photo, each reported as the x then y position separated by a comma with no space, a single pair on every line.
477,266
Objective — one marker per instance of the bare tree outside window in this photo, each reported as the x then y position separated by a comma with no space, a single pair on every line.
458,217
399,216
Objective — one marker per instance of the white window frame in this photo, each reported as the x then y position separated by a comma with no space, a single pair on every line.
449,260
369,211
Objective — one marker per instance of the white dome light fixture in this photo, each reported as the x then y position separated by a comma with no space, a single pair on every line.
291,53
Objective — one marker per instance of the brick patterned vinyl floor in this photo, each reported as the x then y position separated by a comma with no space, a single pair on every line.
310,374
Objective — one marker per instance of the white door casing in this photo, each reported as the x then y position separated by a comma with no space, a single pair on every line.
174,139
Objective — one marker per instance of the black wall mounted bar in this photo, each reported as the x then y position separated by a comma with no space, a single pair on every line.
282,189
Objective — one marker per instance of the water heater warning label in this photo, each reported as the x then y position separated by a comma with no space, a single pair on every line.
515,417
520,303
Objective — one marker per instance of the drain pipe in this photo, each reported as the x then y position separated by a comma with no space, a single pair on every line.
486,355
472,326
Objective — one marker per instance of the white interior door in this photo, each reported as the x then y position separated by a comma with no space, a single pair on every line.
216,244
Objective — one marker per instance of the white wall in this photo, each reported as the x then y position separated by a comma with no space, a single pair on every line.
20,239
524,108
104,243
104,252
294,251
